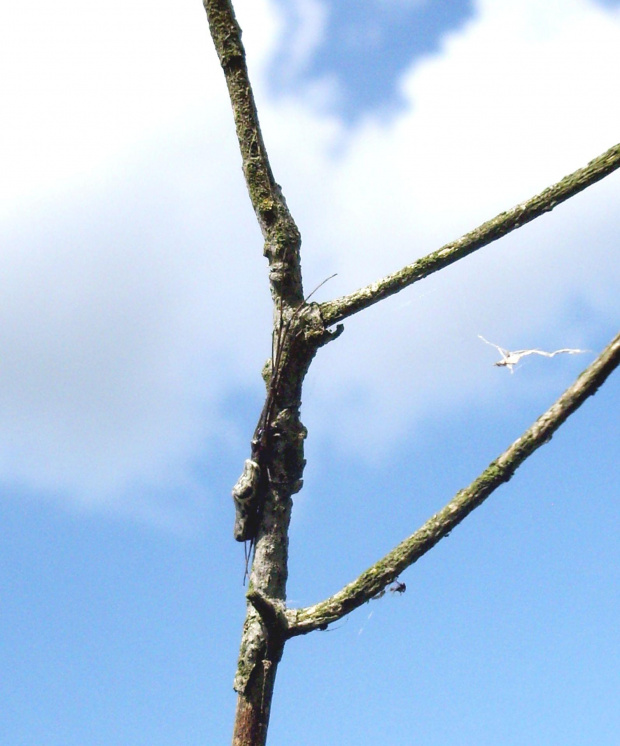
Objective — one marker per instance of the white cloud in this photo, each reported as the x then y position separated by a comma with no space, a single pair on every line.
87,81
117,285
307,32
133,289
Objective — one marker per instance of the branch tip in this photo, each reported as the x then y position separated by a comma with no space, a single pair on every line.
497,227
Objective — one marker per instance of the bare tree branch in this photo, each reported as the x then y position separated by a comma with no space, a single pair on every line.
340,308
372,582
273,473
282,237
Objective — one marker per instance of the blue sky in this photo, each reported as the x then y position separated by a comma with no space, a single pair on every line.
135,321
364,48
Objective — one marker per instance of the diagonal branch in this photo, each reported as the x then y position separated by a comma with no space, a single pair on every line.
340,308
282,238
376,578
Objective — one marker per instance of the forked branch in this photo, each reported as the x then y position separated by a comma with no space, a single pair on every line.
340,308
371,582
278,441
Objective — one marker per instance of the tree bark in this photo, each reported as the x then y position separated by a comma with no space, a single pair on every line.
254,703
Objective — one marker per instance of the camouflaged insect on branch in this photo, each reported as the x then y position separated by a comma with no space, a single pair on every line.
246,495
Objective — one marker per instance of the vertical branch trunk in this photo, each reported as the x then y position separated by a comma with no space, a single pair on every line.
265,633
282,466
261,644
262,641
254,707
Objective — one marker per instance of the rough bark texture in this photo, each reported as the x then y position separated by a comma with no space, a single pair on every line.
260,650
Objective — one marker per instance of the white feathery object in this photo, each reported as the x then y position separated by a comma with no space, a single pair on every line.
510,359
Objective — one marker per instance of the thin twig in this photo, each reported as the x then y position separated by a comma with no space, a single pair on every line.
339,309
372,582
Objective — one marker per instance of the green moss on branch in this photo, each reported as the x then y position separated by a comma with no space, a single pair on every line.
502,224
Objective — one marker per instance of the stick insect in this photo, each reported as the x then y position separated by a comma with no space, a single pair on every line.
510,359
252,486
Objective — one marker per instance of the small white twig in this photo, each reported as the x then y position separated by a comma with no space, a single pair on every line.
510,359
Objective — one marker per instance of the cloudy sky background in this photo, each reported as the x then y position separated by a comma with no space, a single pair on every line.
135,320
